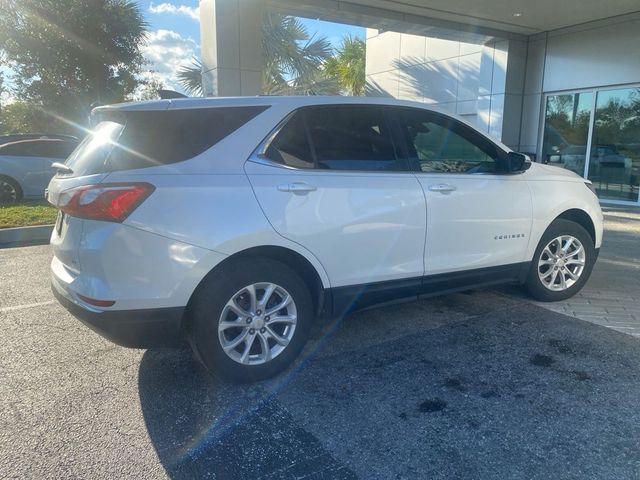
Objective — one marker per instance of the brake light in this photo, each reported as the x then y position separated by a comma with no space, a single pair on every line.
109,202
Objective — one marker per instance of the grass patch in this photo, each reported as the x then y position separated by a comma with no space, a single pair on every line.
27,214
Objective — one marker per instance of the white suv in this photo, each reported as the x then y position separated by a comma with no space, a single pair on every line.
236,222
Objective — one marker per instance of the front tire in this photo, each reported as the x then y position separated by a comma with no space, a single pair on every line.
250,319
10,191
562,263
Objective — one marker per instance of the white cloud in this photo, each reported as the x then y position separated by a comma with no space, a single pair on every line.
167,51
192,12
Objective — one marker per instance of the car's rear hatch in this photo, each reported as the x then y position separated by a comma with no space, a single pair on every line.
90,164
143,140
85,166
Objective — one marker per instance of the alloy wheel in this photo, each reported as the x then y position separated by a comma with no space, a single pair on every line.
8,192
561,263
257,323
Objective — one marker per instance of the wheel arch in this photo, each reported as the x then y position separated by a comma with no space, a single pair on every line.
294,260
582,218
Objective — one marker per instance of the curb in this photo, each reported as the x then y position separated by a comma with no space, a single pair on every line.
25,236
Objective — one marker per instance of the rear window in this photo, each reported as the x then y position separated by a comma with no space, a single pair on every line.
140,139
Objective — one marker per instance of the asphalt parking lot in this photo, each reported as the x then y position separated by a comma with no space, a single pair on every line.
473,385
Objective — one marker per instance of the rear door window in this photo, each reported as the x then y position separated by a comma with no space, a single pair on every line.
352,137
140,139
56,149
337,137
18,149
291,145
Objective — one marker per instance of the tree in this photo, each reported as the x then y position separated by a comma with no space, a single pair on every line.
293,58
147,89
67,54
347,65
22,117
190,78
293,61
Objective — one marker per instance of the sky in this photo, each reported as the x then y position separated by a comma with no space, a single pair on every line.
174,36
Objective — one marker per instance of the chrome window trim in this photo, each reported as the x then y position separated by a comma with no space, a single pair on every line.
261,150
259,154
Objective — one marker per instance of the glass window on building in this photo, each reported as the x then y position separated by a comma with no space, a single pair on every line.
566,130
614,161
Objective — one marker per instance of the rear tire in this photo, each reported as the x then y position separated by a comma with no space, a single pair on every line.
235,327
556,274
10,191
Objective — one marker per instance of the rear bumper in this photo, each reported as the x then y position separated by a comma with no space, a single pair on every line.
148,328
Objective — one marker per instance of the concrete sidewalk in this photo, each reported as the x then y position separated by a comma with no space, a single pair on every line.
612,296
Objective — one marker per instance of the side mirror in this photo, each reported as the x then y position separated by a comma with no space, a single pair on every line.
517,162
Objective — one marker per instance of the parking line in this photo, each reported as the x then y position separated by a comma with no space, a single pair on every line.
28,305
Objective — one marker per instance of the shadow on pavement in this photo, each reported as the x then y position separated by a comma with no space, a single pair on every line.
204,428
518,392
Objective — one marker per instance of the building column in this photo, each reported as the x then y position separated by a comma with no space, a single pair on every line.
514,89
231,47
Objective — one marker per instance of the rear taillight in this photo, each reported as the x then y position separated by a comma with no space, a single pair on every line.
110,202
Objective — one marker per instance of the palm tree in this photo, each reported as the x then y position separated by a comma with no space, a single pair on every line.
190,78
293,61
347,66
293,58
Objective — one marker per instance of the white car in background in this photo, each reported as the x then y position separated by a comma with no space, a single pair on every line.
573,158
237,222
25,165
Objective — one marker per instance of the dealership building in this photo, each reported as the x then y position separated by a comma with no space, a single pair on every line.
557,80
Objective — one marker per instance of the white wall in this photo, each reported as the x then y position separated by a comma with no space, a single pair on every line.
469,79
593,57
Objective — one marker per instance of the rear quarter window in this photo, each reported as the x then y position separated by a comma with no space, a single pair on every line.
165,137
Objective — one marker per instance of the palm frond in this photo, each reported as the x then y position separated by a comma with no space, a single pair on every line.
293,58
347,66
190,78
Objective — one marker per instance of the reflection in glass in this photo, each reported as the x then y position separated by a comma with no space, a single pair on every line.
566,129
614,162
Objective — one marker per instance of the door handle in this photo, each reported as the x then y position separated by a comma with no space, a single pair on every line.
298,187
442,188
